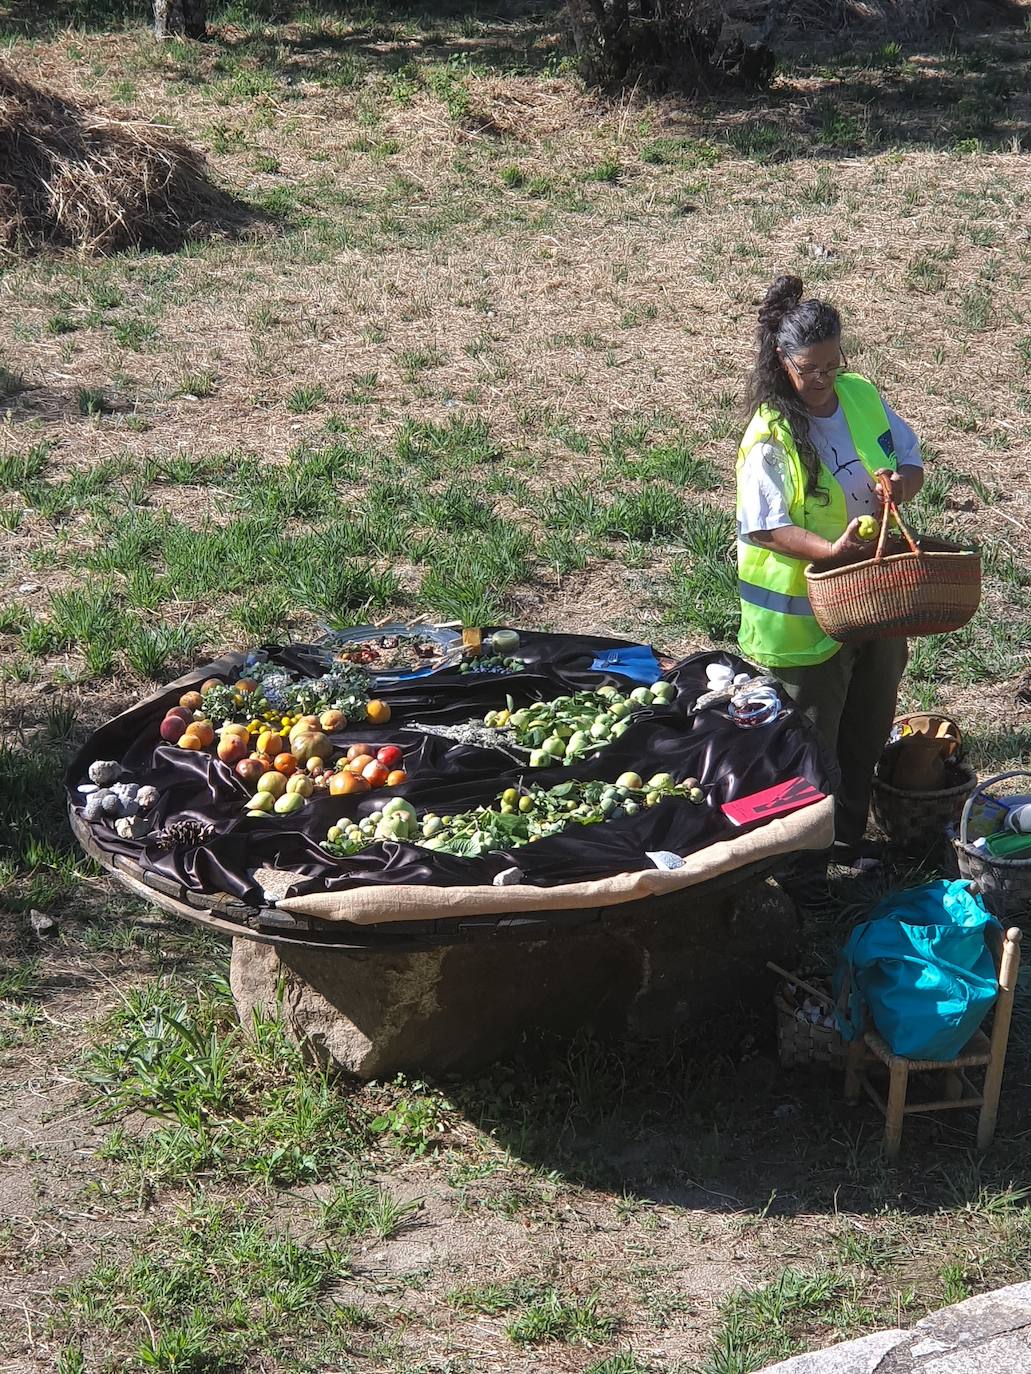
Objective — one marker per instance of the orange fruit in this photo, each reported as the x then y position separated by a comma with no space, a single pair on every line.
343,784
360,763
285,763
246,684
396,778
204,730
192,701
210,684
377,712
190,741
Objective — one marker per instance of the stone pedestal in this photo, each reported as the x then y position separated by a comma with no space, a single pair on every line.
643,969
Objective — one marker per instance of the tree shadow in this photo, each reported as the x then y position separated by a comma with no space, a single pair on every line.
706,1118
715,1124
834,96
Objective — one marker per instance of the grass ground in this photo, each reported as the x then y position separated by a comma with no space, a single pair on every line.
482,357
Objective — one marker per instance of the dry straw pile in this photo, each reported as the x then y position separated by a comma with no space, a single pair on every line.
74,177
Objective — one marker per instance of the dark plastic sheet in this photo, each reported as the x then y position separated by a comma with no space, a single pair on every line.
729,761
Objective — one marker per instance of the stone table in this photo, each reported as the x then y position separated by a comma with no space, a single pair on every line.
639,968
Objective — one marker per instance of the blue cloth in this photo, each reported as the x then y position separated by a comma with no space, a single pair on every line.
637,662
922,968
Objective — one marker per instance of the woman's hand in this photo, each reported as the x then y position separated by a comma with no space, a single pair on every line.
904,484
849,541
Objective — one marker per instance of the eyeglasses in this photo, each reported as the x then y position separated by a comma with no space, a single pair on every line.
809,374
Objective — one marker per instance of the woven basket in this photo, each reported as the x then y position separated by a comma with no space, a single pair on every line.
1005,884
918,821
927,588
800,1042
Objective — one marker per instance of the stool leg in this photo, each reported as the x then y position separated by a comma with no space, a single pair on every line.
854,1058
953,1086
896,1107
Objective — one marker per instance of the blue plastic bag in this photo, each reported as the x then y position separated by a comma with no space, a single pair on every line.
635,661
921,967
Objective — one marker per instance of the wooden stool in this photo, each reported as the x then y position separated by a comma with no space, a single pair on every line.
979,1052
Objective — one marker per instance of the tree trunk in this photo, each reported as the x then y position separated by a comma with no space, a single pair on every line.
178,18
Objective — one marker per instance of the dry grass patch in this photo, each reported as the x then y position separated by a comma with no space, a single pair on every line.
73,177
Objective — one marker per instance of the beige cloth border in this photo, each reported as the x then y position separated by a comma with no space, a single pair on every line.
810,828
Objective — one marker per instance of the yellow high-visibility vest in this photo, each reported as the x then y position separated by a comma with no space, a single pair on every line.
778,628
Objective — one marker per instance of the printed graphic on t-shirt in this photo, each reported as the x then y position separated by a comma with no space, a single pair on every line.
856,483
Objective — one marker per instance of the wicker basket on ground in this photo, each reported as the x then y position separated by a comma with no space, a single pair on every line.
800,1040
1004,883
918,820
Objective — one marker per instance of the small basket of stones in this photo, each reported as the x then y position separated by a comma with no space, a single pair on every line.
807,1029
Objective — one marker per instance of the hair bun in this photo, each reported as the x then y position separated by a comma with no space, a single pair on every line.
783,295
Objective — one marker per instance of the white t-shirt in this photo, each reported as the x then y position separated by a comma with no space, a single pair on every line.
764,488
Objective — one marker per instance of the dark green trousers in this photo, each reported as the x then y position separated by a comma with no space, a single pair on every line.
851,699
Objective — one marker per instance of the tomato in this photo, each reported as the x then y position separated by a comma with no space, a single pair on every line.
391,755
375,773
359,764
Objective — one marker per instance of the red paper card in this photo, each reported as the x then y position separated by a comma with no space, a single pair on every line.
775,801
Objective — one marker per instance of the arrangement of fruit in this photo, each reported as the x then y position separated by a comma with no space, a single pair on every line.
491,664
284,758
517,816
269,694
571,728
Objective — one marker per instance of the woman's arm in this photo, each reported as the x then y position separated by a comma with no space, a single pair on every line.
804,544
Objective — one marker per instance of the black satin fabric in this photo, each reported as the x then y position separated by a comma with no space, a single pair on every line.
447,778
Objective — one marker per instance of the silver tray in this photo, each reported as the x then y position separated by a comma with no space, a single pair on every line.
448,640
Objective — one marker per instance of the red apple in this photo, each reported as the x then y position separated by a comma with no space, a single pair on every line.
250,770
391,755
172,728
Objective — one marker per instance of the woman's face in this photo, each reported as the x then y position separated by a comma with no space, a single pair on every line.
813,371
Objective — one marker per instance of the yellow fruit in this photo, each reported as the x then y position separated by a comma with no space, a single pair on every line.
289,803
377,712
261,801
306,746
868,527
273,783
301,784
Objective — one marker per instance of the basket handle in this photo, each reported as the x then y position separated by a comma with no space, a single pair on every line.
890,511
981,788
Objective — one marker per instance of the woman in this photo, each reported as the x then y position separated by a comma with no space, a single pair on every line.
806,468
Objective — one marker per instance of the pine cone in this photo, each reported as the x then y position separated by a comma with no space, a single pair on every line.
185,834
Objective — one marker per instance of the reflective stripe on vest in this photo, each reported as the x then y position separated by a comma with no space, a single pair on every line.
777,625
773,601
